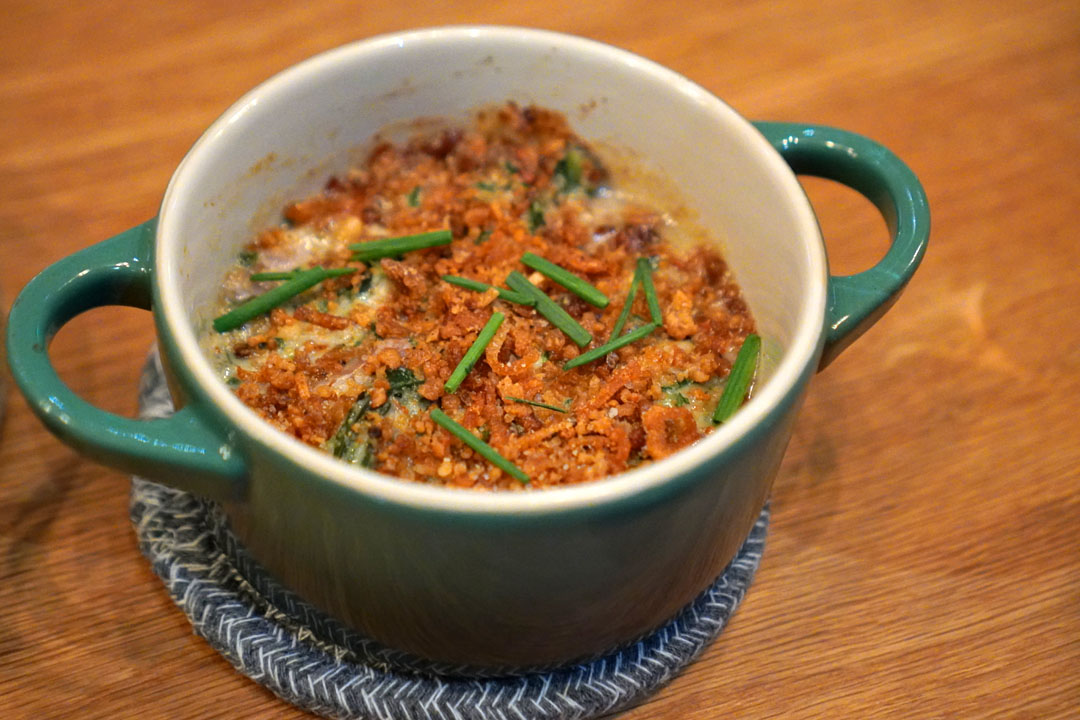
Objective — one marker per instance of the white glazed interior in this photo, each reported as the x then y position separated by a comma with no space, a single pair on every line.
282,140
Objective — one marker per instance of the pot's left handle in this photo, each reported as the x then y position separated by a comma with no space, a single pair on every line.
185,450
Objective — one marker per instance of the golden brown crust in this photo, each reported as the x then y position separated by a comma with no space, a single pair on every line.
484,184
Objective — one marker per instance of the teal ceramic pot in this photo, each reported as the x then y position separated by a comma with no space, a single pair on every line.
484,580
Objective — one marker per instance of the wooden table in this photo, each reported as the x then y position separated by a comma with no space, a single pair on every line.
924,554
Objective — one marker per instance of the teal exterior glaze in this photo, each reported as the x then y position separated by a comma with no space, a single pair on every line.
593,576
182,450
857,301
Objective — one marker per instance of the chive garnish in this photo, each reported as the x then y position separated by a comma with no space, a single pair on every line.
391,247
300,281
625,314
413,198
597,353
549,309
567,279
479,446
738,380
271,276
290,274
478,286
473,353
556,408
644,269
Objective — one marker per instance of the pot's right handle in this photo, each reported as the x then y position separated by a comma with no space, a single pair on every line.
185,449
857,301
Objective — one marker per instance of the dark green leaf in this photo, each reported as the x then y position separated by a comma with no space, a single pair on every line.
568,170
343,443
402,378
536,216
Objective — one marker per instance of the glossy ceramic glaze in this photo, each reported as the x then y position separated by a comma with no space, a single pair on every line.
486,581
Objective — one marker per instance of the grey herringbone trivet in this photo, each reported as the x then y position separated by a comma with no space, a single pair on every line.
316,663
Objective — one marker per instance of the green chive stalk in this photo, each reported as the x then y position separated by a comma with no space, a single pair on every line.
523,401
738,380
597,353
567,279
644,269
479,446
473,353
392,247
551,310
300,281
509,295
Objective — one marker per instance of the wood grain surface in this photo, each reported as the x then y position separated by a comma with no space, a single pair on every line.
924,554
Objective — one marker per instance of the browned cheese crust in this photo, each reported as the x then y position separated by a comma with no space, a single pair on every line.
498,186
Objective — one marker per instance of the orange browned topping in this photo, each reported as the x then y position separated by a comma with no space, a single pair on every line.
354,364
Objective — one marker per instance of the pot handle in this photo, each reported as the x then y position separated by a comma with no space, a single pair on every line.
855,302
184,450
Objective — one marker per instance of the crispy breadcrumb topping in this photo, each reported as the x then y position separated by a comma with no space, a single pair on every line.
353,365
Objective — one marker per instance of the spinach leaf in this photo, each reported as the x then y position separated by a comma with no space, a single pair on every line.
569,170
402,379
536,215
344,443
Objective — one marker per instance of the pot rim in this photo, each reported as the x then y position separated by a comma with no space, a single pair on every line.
801,353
